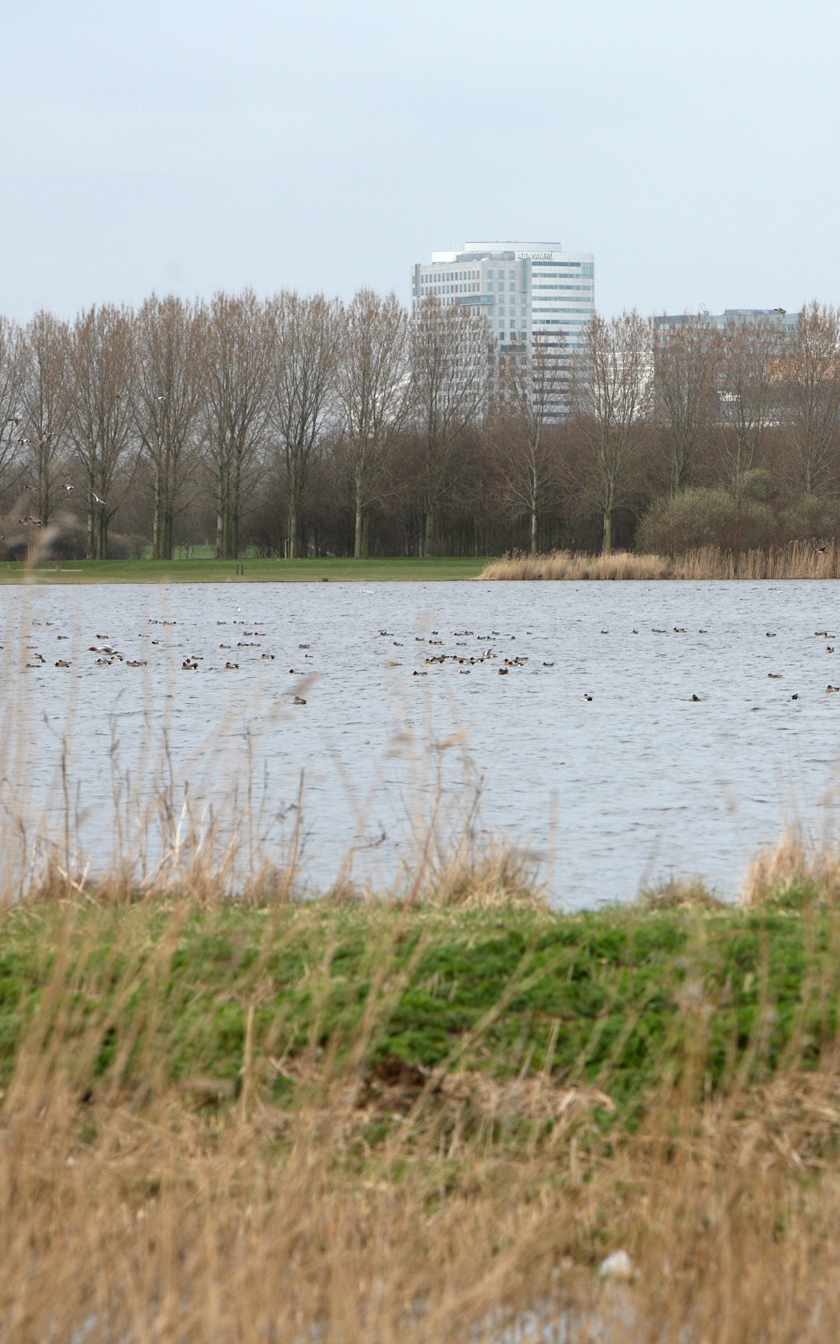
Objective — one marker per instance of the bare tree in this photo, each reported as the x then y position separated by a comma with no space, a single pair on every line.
610,389
11,388
450,365
100,422
236,382
686,372
169,348
528,404
47,398
306,345
749,392
373,391
810,373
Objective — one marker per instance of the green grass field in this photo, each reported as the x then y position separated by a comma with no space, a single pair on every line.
601,998
255,571
261,1120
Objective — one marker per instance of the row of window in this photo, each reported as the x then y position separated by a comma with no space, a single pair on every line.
449,289
453,275
586,268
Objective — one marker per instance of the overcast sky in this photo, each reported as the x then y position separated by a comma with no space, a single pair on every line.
193,145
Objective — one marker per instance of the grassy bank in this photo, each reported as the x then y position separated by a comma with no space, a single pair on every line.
250,571
507,991
366,1121
800,560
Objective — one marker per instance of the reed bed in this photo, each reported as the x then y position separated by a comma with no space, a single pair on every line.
799,560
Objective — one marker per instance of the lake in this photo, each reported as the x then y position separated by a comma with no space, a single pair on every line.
589,749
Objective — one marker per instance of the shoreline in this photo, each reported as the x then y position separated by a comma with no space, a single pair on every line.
796,562
410,569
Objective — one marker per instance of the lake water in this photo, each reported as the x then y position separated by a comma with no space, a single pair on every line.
633,783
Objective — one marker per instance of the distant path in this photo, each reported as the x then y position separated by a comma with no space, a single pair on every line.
244,571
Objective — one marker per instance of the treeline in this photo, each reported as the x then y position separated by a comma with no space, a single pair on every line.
300,425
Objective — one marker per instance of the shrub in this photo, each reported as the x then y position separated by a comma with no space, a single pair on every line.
697,518
811,519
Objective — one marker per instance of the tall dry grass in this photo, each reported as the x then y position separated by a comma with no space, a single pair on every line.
798,560
378,1202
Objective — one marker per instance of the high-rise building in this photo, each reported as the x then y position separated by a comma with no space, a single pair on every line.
522,288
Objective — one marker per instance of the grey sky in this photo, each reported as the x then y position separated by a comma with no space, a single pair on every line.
192,145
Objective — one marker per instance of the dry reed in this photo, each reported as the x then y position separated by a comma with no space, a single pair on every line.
799,560
794,870
378,1201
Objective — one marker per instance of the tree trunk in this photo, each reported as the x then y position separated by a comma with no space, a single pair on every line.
43,494
357,548
156,526
293,527
534,547
366,536
236,495
607,547
428,544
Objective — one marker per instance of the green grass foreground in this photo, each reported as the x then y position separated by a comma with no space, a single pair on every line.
252,571
155,995
363,1123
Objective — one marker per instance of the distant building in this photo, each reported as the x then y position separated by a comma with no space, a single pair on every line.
522,288
786,321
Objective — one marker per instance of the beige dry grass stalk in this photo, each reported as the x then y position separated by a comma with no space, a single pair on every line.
799,560
383,1203
794,870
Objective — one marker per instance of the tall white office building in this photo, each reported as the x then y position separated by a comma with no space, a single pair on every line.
522,288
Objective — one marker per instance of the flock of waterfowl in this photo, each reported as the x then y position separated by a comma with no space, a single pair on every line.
463,657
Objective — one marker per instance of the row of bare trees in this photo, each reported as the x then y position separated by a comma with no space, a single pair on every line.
698,403
300,423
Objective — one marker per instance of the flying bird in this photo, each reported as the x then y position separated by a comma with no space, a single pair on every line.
98,500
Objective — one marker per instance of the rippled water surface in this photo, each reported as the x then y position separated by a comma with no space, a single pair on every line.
633,783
